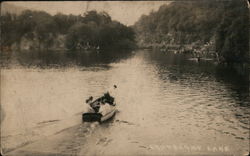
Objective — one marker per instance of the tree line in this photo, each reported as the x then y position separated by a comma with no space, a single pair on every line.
221,24
92,30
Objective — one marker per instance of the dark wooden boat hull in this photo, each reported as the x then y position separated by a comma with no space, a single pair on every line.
91,117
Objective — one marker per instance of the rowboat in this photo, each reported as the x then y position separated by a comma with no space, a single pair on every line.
106,111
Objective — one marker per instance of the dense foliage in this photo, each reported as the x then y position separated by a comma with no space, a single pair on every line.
232,34
222,23
42,30
97,30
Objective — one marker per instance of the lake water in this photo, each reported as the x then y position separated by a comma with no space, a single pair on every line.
167,104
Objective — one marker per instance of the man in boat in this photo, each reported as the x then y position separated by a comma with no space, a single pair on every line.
108,98
108,102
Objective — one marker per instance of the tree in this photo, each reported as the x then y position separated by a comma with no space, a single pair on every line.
232,40
98,18
98,30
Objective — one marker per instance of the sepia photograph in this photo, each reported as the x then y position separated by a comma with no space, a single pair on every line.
125,78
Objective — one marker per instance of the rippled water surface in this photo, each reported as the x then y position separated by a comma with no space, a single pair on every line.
167,104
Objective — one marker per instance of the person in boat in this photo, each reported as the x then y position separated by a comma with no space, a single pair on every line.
93,106
89,100
90,108
108,98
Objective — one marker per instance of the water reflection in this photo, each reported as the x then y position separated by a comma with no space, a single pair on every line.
221,82
60,59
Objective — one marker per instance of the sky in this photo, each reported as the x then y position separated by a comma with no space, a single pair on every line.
126,12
